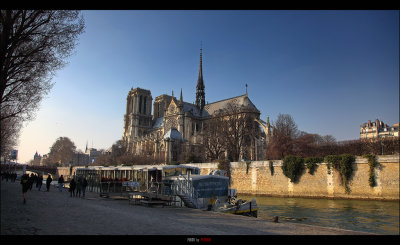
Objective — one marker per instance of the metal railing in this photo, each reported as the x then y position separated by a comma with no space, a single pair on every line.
183,186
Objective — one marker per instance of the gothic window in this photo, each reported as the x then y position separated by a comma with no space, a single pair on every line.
129,106
172,109
144,105
140,104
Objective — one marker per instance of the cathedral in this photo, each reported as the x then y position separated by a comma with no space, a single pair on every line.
175,129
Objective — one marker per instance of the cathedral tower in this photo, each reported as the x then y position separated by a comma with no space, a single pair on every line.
138,114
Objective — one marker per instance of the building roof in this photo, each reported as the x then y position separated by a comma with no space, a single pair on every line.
173,133
241,102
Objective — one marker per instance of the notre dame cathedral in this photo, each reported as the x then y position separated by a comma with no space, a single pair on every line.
175,128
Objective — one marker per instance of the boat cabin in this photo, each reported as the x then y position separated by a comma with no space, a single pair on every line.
142,177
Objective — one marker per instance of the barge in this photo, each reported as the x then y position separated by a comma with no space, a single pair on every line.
167,184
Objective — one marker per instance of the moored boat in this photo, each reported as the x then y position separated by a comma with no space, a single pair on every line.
182,183
240,207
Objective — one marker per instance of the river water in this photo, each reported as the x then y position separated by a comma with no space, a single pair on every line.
379,217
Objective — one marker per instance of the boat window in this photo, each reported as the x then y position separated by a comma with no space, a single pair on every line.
172,172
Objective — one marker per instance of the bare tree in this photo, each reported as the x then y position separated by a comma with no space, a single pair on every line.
33,45
238,129
213,140
286,126
62,151
9,130
285,131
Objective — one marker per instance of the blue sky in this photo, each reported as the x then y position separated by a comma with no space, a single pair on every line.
330,70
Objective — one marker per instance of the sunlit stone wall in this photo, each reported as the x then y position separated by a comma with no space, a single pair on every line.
256,179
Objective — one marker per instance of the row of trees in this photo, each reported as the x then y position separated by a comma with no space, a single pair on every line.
300,144
288,140
119,156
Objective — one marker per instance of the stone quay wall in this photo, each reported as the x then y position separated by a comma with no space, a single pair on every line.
256,179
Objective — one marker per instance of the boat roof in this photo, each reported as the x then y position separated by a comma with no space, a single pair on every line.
138,167
179,166
200,177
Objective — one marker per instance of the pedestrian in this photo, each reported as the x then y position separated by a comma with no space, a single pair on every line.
25,185
48,181
39,182
60,183
72,186
79,187
84,184
31,180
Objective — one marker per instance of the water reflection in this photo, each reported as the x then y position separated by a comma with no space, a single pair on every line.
368,216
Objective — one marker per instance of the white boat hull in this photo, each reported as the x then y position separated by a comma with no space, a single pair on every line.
247,208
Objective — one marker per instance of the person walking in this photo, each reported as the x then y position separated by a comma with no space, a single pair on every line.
25,185
72,186
60,183
84,184
31,180
48,181
39,182
79,187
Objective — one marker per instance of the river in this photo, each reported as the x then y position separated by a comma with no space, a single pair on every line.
379,217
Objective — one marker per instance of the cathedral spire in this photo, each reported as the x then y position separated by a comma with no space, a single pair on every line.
200,94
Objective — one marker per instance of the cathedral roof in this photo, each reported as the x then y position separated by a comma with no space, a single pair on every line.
173,133
192,108
241,102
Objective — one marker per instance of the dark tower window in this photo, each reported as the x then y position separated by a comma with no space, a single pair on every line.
140,104
144,105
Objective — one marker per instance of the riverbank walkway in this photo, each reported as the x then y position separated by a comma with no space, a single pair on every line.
56,213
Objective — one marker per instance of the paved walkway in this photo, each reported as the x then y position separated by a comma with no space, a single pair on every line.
56,213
